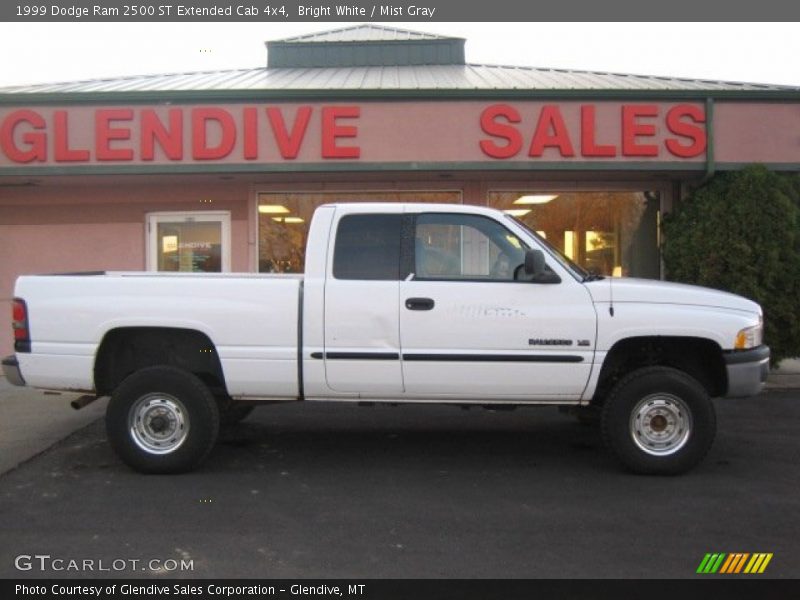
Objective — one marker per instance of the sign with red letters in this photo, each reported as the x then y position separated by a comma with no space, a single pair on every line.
398,132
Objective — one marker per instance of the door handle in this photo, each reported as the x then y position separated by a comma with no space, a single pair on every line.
420,303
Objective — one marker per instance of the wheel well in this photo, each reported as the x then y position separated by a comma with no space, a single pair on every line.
698,357
129,349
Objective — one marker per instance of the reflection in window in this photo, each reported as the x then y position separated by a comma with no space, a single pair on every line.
284,219
612,233
189,246
450,246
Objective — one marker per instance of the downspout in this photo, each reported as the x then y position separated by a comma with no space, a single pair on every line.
710,163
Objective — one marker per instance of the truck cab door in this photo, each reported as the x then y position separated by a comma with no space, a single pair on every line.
361,322
470,329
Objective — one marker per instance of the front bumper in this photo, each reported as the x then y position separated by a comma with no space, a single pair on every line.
747,371
11,370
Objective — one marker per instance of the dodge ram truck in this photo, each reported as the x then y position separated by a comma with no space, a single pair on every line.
399,303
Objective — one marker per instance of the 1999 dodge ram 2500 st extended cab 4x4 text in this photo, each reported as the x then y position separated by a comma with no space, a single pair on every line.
399,303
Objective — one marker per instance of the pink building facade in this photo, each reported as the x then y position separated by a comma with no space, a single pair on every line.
174,176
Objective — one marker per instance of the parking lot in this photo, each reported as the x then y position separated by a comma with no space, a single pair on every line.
306,491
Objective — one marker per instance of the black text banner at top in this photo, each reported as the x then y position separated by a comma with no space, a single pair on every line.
536,11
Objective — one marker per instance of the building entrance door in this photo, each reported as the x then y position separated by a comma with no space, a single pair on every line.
196,242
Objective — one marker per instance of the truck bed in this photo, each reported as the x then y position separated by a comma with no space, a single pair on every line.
252,320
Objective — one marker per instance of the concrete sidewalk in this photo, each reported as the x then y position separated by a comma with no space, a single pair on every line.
787,377
31,421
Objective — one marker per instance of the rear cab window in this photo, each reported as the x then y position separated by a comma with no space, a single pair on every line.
367,247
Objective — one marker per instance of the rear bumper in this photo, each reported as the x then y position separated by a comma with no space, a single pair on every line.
11,371
747,371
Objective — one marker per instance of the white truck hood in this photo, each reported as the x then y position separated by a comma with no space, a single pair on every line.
650,291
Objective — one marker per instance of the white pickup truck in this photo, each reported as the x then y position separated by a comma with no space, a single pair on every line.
399,303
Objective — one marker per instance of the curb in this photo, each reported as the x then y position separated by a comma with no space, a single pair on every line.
791,382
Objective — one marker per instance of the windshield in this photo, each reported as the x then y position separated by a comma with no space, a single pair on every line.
578,271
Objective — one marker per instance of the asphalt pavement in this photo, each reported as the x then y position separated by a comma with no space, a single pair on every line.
31,420
322,490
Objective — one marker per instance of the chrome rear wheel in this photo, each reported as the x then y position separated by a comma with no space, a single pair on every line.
159,423
162,419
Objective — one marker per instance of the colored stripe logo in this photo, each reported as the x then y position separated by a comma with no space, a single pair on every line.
734,563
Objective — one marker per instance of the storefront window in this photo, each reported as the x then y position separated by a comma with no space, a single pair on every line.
284,218
610,233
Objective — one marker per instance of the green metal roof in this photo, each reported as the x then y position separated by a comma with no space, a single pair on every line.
371,61
417,78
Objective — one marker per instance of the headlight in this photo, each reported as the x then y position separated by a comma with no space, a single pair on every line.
749,337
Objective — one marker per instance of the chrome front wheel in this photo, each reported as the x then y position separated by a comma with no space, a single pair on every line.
658,420
661,424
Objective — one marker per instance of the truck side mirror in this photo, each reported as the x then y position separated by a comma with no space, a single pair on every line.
536,269
534,263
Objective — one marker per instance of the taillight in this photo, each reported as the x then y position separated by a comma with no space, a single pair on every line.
19,323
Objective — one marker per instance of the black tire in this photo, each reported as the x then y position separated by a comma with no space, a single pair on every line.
162,420
235,412
658,420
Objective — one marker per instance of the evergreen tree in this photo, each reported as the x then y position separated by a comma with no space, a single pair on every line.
740,232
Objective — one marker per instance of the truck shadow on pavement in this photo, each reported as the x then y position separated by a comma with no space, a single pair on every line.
414,437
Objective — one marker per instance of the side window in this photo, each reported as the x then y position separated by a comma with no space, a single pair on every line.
368,247
453,246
